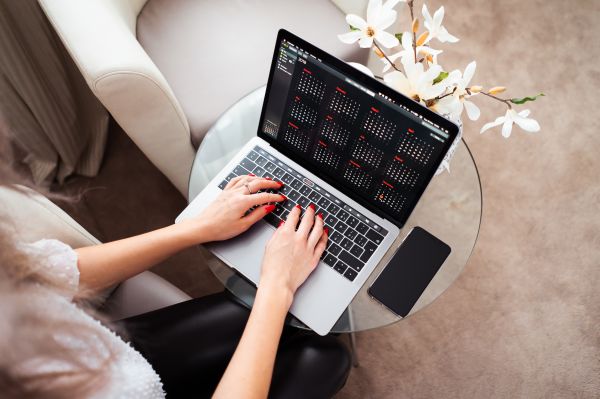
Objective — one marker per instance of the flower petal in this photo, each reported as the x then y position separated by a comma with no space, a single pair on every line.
507,128
385,20
365,42
438,17
356,21
499,120
350,37
386,39
427,16
527,124
362,68
373,11
444,36
525,113
469,72
472,110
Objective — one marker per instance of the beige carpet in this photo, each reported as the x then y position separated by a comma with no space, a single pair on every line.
523,319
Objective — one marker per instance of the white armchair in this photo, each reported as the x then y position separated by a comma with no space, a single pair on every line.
165,69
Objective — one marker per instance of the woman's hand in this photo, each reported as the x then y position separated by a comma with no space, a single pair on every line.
291,255
226,216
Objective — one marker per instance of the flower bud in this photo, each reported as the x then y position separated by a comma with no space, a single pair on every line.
422,38
378,52
497,90
415,25
475,89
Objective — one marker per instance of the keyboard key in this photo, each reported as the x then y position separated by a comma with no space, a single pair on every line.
305,190
369,249
285,190
248,164
340,267
362,228
350,274
287,178
341,227
278,210
230,176
333,209
336,237
352,221
303,202
314,197
343,215
356,251
258,171
270,167
330,221
294,195
253,155
289,205
239,171
330,260
323,202
334,249
360,240
374,236
272,219
351,234
279,172
296,184
222,184
351,260
346,243
260,161
285,215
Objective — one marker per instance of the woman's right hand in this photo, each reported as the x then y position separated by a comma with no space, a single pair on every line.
291,255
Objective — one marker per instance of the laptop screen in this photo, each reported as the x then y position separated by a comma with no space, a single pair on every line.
377,147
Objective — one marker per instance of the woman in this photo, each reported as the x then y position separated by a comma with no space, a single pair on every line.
52,348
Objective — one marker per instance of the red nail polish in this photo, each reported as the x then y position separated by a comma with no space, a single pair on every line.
320,215
281,223
270,208
284,197
267,178
326,230
312,206
298,206
251,174
280,184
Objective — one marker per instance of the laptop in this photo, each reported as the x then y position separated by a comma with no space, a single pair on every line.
361,152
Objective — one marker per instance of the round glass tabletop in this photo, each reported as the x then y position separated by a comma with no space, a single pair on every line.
450,209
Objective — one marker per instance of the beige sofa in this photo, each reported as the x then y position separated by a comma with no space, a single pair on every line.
165,69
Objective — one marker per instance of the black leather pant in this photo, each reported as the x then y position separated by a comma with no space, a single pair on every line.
190,344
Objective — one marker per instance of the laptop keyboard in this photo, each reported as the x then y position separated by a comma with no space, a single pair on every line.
353,238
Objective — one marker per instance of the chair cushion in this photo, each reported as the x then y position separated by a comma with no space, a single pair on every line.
214,52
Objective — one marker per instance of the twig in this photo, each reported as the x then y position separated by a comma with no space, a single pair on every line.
507,102
386,57
412,20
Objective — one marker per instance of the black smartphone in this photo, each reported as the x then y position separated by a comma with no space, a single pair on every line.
413,266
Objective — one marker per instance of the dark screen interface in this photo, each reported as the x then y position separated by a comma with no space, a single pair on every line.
381,151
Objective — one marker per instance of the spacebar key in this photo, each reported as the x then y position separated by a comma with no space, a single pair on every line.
351,260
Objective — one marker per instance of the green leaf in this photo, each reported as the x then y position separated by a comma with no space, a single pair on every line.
443,75
352,28
525,99
398,36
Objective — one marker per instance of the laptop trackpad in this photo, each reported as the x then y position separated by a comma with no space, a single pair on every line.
245,252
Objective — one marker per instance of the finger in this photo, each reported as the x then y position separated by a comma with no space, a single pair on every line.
316,232
292,219
243,180
320,247
234,182
263,198
307,221
258,213
265,184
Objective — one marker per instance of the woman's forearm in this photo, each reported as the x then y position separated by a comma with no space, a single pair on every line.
103,265
249,372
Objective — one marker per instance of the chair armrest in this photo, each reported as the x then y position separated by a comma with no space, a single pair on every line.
100,36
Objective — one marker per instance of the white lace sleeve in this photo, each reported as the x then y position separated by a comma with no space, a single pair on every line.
59,262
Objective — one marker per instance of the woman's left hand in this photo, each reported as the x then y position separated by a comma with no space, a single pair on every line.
226,216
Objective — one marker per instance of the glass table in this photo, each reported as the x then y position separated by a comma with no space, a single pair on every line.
450,209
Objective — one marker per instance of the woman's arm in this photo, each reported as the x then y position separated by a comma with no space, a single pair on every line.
289,259
103,265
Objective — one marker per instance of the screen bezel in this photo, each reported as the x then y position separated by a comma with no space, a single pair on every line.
374,85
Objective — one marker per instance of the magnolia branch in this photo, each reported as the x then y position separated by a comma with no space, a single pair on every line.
507,102
412,20
386,57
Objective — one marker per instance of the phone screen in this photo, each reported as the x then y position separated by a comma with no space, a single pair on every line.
409,272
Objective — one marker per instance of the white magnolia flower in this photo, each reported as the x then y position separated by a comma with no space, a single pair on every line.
379,17
408,52
418,82
435,28
527,124
362,68
454,103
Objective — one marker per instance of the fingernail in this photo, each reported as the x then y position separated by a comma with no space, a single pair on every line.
298,206
281,223
326,230
267,178
251,174
270,208
283,197
312,206
320,215
280,184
